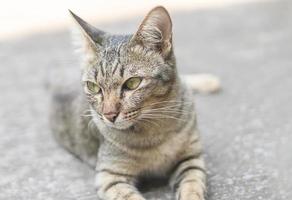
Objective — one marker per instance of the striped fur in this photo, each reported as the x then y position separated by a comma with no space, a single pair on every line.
155,132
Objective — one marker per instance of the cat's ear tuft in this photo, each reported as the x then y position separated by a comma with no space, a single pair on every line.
91,37
155,31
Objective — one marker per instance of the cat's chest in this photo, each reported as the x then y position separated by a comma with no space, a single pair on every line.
164,156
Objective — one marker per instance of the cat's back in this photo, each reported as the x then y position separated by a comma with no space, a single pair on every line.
65,104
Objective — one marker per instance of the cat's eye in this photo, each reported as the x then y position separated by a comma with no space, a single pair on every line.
132,83
92,87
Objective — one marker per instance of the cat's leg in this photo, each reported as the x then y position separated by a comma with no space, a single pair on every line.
202,83
188,180
72,129
114,185
189,176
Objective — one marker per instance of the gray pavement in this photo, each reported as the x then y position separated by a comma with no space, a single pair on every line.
246,128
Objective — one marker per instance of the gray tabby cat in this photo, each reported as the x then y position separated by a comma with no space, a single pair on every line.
142,116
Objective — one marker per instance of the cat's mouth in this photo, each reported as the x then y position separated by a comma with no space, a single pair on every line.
124,120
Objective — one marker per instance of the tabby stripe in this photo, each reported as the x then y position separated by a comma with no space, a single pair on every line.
119,52
180,176
115,68
186,127
112,184
114,173
191,181
96,75
198,168
181,107
191,157
118,61
195,141
121,71
179,115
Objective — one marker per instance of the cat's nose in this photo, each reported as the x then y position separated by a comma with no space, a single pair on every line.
111,116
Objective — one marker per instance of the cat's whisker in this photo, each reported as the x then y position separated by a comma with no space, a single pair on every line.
149,121
92,115
165,102
87,116
166,109
159,116
88,110
168,112
162,102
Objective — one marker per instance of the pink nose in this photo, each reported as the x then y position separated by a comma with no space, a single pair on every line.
111,116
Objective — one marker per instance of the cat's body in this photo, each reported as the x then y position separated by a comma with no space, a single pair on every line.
74,129
135,114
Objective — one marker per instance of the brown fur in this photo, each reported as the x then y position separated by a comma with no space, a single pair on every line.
154,132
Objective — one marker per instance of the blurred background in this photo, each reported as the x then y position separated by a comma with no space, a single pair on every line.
21,18
246,128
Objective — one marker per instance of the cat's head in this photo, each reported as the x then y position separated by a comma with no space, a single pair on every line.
125,76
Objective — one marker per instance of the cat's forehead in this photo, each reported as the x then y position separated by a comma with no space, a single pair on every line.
114,44
117,61
117,54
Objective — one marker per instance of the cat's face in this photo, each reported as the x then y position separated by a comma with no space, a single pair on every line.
126,76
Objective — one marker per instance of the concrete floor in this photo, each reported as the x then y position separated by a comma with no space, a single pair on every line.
246,128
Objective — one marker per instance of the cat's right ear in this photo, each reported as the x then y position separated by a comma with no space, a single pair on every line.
91,38
155,32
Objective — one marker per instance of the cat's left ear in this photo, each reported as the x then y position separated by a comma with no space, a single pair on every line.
91,37
155,32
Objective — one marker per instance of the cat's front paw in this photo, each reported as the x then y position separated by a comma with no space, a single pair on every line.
190,192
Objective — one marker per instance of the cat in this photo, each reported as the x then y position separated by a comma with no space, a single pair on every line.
133,116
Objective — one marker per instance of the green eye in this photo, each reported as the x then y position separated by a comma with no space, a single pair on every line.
92,87
132,83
